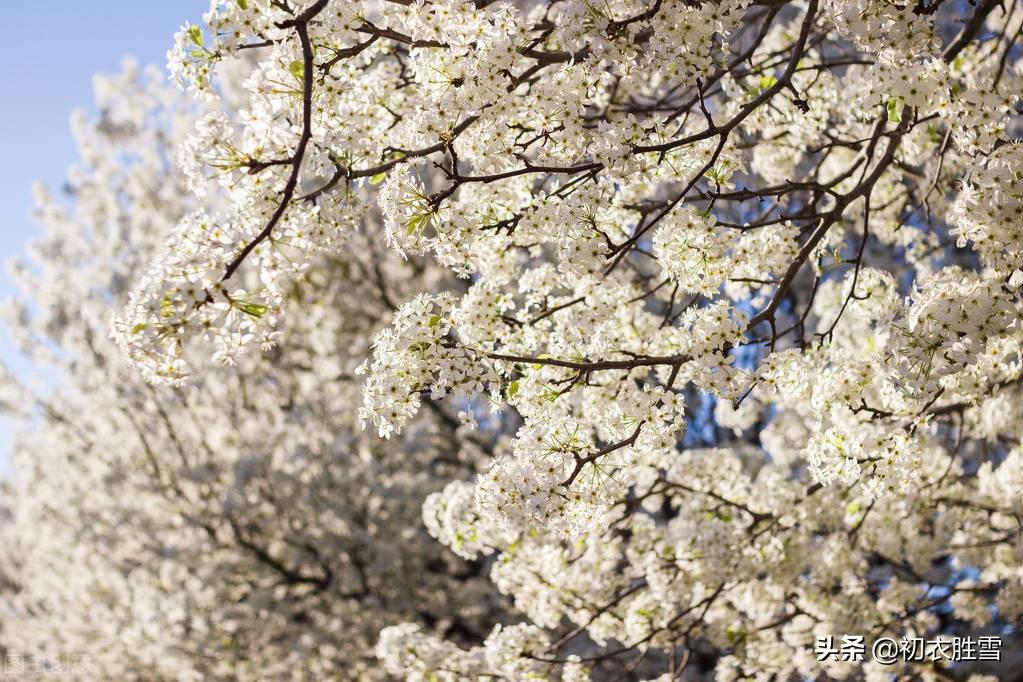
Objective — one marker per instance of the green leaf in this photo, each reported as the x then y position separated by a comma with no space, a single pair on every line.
378,178
417,222
195,35
139,327
513,388
736,637
243,4
767,82
435,320
297,69
256,310
852,507
895,105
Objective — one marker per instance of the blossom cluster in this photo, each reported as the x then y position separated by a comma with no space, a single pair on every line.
698,324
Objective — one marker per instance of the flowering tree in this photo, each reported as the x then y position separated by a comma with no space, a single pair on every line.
725,297
246,528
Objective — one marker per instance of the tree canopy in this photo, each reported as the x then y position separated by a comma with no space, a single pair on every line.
569,340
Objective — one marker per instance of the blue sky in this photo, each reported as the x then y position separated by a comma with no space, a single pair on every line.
52,50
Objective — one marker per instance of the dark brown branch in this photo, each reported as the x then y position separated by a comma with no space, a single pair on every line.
301,26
